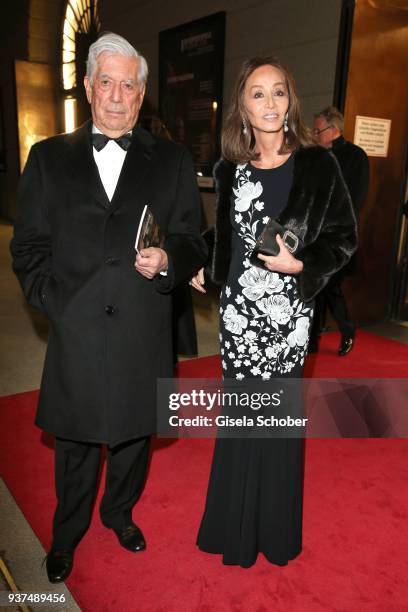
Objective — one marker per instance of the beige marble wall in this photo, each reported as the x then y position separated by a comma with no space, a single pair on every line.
303,34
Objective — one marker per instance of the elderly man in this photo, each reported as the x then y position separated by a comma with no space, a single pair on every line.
353,161
80,201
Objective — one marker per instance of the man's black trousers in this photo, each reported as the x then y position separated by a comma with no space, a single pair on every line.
332,297
77,468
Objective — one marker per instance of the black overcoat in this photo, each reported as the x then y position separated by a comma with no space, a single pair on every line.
319,211
73,252
355,168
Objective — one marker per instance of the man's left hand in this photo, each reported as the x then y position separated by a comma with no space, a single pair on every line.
151,261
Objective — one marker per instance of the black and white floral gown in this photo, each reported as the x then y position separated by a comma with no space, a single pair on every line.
264,325
255,491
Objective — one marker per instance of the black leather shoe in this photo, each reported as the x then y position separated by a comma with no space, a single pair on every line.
131,538
59,565
346,345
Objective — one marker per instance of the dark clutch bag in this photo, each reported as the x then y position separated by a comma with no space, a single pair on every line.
267,243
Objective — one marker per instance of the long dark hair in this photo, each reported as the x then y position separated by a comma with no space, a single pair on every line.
238,147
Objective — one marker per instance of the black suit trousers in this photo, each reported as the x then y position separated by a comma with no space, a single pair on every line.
332,297
77,468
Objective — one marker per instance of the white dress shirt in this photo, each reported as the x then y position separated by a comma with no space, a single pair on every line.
109,161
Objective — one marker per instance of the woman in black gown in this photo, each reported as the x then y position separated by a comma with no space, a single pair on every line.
270,169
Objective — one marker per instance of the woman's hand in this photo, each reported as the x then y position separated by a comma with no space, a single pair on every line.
284,262
198,281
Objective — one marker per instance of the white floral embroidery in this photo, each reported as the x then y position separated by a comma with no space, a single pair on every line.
234,322
300,334
245,194
240,167
277,308
257,282
268,325
270,352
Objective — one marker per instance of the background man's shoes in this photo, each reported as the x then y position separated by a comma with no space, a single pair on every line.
59,565
346,345
131,538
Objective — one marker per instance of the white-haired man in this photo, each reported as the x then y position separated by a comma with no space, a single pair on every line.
80,201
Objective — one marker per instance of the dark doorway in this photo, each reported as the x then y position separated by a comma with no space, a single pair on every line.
371,83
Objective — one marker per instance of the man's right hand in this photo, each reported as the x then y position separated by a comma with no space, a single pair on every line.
198,281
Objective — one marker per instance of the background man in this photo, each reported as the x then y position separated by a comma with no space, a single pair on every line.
80,201
328,128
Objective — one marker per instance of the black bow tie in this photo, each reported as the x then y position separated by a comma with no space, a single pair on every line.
100,140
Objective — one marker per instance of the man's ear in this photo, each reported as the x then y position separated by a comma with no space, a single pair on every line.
88,89
141,95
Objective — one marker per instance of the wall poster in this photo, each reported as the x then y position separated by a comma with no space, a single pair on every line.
191,71
373,135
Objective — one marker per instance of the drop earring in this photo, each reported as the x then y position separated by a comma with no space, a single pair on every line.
285,124
244,127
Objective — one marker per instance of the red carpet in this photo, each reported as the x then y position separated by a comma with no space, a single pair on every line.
355,554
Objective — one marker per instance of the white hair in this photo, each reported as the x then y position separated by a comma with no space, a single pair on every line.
114,45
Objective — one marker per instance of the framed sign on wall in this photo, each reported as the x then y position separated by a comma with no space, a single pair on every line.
191,72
